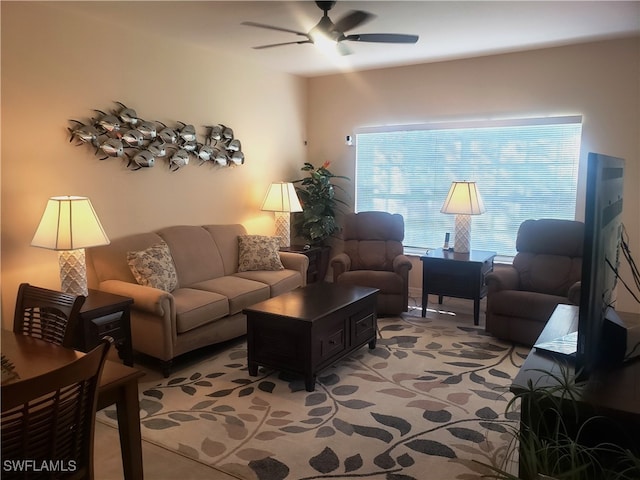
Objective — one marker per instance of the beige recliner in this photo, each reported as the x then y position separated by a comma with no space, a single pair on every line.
545,272
373,257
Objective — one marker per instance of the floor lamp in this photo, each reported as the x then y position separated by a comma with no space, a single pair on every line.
69,225
463,200
282,199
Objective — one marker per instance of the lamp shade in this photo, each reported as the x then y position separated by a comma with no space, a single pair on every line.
281,197
69,223
463,199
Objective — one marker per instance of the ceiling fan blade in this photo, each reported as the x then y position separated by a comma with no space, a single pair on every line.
383,38
353,19
271,27
299,42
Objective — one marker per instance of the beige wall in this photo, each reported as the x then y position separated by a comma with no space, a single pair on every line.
57,66
600,81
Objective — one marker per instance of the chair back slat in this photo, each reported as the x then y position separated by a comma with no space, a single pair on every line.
51,418
47,314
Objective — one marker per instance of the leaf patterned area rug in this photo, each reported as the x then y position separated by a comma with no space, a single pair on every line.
428,402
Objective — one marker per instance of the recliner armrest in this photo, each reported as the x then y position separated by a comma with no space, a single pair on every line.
340,263
402,265
503,277
574,293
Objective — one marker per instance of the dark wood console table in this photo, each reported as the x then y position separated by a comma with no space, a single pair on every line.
614,392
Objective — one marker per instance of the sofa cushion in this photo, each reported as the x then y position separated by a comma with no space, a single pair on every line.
153,267
226,238
240,292
109,262
279,281
195,254
198,307
258,252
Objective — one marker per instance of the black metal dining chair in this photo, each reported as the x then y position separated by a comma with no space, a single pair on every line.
48,421
47,314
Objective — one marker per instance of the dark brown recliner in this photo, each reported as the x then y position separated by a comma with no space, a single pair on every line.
373,257
545,272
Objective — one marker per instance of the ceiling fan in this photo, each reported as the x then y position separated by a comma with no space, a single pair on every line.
328,31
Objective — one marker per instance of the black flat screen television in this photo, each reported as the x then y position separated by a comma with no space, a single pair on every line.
601,253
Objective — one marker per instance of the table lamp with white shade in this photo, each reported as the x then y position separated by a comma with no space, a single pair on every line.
69,225
282,199
463,200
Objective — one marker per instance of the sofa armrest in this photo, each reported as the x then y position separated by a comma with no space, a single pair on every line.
297,262
340,263
148,299
503,277
402,265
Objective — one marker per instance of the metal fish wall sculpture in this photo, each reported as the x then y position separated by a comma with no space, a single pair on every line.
121,133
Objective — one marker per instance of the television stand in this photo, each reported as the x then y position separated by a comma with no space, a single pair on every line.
614,393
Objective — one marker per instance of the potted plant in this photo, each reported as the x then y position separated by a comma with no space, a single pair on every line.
317,221
316,192
560,440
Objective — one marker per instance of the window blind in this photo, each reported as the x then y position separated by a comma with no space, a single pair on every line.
524,169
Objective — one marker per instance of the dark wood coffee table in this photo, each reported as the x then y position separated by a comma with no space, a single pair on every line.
310,328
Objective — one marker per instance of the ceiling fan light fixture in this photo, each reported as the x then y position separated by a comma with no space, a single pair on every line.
323,42
330,37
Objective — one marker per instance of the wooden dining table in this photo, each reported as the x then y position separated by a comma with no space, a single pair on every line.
30,357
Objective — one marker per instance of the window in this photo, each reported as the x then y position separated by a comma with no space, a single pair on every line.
523,169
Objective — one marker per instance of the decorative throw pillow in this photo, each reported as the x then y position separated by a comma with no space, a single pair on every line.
258,252
154,267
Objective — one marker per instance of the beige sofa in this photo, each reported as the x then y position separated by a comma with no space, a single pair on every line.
205,307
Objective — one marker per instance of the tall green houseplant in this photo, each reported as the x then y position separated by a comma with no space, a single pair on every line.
316,192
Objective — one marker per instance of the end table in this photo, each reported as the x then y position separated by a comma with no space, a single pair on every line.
318,261
460,275
105,314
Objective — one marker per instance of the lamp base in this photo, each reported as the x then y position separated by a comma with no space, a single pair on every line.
73,271
283,228
462,240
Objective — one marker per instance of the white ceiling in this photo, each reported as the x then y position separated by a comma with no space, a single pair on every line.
447,29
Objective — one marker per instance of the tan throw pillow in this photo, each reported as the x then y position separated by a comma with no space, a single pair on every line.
154,267
258,252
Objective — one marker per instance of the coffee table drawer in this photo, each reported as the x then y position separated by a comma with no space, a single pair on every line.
364,326
332,343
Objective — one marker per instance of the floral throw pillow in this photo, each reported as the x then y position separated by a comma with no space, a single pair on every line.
258,252
154,267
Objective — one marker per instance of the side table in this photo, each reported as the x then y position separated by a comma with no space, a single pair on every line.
460,275
105,314
318,261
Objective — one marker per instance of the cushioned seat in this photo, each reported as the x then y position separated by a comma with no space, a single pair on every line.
240,292
198,307
544,273
373,257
